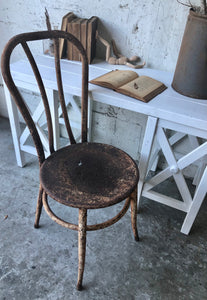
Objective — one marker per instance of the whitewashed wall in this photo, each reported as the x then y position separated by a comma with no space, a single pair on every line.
152,29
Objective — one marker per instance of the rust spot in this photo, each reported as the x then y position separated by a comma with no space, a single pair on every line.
135,28
123,6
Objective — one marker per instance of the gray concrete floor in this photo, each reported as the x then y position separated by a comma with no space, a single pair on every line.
42,263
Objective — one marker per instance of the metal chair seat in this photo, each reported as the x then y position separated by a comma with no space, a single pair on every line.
89,175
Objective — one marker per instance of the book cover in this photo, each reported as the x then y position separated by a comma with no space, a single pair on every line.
63,43
69,45
76,33
84,33
91,40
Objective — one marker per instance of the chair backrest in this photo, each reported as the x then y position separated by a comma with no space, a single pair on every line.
23,40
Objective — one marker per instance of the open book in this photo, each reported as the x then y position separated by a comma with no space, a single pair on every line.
131,84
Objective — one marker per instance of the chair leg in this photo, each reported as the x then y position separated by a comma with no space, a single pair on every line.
133,202
38,208
81,245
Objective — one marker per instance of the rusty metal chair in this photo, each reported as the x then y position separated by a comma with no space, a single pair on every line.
82,175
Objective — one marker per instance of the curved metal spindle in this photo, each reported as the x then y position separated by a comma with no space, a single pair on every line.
5,67
84,97
42,92
61,93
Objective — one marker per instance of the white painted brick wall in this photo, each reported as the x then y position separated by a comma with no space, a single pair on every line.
151,29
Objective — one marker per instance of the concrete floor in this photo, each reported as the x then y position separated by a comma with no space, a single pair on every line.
42,263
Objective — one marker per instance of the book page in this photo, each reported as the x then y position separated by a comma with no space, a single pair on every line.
141,86
115,79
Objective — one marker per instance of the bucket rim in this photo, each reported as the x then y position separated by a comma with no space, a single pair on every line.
197,15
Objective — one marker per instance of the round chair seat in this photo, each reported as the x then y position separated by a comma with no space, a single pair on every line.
89,175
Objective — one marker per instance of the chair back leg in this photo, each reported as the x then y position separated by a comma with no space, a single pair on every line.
133,202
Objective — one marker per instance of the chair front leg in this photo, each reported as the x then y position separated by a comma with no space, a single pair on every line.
38,208
133,202
81,245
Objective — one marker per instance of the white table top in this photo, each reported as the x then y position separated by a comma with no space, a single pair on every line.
169,105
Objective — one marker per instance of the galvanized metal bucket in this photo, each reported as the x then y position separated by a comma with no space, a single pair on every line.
190,77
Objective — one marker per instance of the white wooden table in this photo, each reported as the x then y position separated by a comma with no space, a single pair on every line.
169,110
